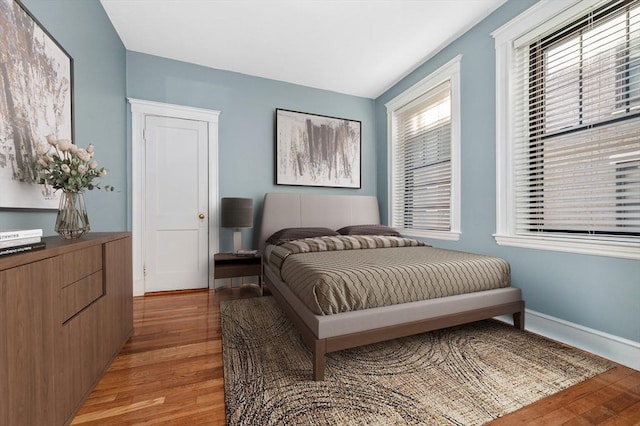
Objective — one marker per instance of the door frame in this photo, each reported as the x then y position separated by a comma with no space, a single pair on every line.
139,110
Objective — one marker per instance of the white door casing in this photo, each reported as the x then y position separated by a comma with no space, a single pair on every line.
140,111
176,215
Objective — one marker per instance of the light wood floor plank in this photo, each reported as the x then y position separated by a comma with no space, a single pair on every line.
84,418
170,373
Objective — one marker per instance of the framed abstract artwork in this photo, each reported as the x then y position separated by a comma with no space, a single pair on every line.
36,77
317,150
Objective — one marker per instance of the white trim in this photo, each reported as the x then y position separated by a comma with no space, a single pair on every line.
617,349
530,20
441,75
504,170
140,109
561,15
436,235
522,24
618,249
448,72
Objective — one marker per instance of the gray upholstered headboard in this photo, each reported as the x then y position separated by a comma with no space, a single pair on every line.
303,210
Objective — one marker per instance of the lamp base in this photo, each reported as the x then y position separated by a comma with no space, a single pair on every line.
237,241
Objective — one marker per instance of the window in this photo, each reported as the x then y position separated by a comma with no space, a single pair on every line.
570,140
423,135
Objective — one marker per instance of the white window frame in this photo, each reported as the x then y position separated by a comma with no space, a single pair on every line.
451,72
543,16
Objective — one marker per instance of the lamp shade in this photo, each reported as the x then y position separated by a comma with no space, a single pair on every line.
237,212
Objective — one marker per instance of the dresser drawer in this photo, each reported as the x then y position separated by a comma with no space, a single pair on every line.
80,294
80,264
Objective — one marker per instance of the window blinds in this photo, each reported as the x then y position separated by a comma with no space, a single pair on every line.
577,127
422,162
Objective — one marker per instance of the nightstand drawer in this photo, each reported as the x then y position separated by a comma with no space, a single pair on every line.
230,266
231,271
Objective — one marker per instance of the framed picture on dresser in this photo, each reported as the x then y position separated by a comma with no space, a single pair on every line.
36,75
317,150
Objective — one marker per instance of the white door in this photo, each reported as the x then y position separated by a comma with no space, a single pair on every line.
176,204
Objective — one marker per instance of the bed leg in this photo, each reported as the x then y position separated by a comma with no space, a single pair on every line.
518,320
319,351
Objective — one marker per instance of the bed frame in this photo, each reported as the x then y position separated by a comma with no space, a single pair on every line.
331,333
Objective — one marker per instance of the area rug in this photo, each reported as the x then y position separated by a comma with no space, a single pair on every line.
465,375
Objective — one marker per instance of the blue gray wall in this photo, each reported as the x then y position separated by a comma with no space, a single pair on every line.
598,292
84,30
602,293
246,125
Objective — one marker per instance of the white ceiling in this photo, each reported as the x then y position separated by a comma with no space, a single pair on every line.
357,47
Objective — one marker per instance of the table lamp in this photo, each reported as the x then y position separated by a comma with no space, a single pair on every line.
237,213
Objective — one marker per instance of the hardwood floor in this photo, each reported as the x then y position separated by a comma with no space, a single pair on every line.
170,372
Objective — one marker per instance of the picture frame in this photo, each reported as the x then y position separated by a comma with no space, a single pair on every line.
317,150
38,83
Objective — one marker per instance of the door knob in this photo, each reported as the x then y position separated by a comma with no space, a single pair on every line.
201,215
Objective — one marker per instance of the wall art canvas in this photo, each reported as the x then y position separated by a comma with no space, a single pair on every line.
36,77
316,150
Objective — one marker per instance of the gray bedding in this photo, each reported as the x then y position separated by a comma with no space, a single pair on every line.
347,273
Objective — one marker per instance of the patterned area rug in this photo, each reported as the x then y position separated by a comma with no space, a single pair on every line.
465,375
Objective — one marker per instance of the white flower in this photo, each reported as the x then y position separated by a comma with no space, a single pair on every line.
65,166
83,155
42,149
64,144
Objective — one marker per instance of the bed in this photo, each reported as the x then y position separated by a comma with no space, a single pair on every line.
327,329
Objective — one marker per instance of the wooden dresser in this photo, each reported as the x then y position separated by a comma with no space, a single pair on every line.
65,312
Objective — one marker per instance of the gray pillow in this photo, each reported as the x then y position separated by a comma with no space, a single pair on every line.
368,230
290,234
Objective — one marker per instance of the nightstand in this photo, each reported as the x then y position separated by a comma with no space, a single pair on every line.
229,265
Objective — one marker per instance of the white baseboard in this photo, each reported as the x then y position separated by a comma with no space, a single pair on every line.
138,287
617,349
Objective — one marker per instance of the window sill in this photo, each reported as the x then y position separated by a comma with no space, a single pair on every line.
620,249
436,235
